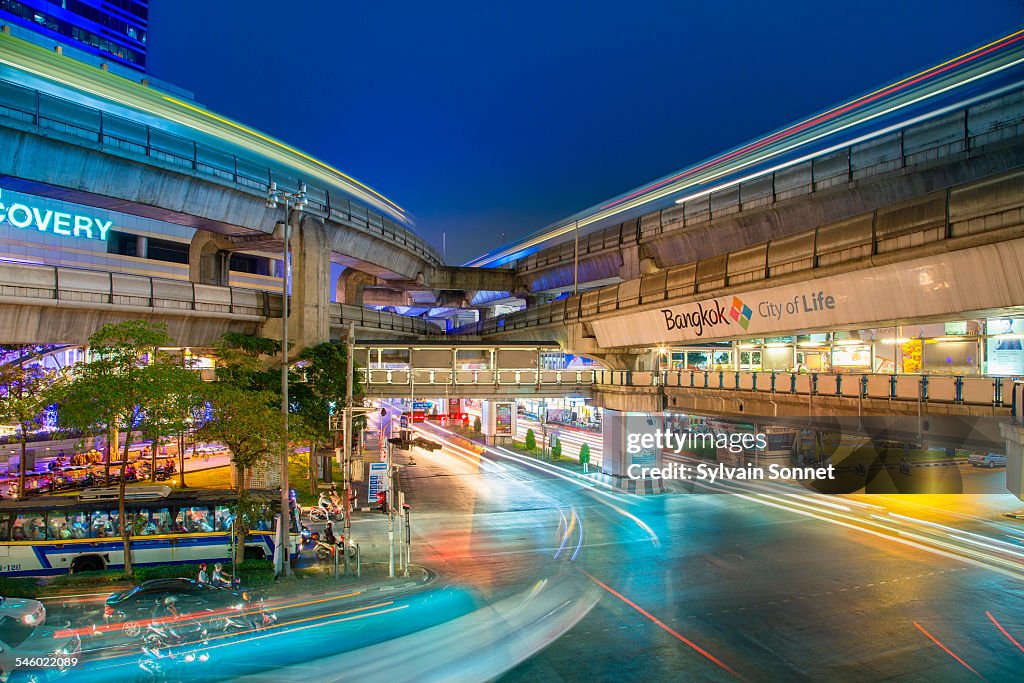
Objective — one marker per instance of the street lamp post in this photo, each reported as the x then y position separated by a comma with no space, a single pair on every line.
297,201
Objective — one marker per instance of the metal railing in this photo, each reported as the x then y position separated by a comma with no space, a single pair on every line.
941,218
78,122
497,378
958,132
951,389
25,283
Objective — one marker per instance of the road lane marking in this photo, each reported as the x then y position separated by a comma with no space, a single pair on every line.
1000,627
947,650
662,624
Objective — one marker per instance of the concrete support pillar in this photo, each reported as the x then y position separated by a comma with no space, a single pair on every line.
310,321
350,286
483,313
141,246
625,432
1014,436
209,259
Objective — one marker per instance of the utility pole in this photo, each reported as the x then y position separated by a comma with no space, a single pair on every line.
296,200
390,497
346,468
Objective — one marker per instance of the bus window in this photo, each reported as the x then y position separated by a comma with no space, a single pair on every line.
223,522
196,519
5,526
160,520
34,527
78,522
101,524
58,527
19,528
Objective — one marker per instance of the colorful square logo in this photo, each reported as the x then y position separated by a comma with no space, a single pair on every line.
740,312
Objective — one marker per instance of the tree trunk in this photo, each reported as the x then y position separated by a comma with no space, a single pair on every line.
21,464
112,437
312,468
237,539
152,465
181,459
125,530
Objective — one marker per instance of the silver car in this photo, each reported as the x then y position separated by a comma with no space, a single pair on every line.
28,612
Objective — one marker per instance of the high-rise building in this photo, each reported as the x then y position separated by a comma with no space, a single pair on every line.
112,30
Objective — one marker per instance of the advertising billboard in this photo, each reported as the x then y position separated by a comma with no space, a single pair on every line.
1004,350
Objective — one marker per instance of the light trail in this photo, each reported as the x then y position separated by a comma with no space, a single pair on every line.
1003,630
956,73
662,625
946,649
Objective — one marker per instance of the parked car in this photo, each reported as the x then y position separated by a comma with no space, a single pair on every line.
987,460
133,608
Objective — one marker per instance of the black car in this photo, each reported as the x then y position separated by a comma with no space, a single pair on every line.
133,608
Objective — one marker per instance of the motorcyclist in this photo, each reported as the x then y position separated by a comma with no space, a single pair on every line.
335,497
166,613
217,579
329,536
325,501
203,576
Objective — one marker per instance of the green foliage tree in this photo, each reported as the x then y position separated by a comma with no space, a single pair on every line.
125,386
25,388
556,449
531,440
477,425
319,387
248,423
176,414
585,454
244,360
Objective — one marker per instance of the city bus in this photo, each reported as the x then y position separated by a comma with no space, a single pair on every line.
50,535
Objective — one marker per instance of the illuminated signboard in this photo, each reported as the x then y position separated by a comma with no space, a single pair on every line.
25,216
503,419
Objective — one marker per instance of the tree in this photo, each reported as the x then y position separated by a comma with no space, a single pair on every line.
556,449
125,386
248,423
243,361
477,425
585,456
531,440
176,413
320,387
25,389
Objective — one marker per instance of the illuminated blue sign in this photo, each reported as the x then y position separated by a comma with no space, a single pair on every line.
26,217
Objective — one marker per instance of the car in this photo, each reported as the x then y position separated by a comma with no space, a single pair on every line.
19,641
28,612
133,608
988,460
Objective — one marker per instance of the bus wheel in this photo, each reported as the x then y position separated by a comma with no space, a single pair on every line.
254,554
86,564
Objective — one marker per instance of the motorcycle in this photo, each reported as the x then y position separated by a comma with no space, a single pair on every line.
253,621
173,633
318,513
325,550
162,662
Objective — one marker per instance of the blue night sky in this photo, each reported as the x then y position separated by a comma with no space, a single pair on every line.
485,118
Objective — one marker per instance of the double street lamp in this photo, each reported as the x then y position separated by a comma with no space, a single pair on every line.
292,200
